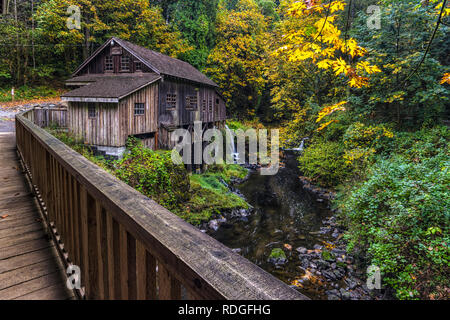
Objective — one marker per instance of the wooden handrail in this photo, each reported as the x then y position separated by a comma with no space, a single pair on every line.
128,246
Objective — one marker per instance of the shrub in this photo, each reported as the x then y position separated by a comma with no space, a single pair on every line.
228,172
324,163
423,144
154,174
399,218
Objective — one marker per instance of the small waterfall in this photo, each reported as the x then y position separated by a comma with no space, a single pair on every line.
231,147
301,148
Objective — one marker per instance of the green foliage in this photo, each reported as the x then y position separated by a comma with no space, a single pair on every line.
196,20
154,175
237,61
227,172
421,145
324,163
29,93
78,146
210,196
399,216
244,125
397,48
277,253
328,256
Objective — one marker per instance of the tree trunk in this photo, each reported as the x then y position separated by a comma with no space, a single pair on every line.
32,38
17,43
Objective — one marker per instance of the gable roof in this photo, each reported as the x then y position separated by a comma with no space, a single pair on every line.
158,62
109,87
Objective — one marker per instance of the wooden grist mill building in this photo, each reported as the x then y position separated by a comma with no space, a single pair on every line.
126,90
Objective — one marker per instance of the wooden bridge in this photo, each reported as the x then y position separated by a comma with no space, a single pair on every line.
125,245
29,264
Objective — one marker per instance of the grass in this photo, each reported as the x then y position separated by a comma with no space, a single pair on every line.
210,197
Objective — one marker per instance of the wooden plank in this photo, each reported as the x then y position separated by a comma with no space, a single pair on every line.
54,292
26,237
111,258
27,273
84,238
24,248
13,202
169,287
131,268
16,231
76,223
145,273
22,220
23,289
26,259
102,252
19,208
18,214
123,252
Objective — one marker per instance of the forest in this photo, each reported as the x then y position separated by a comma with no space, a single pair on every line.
365,84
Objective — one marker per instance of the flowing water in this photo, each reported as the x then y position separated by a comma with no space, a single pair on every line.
232,150
284,214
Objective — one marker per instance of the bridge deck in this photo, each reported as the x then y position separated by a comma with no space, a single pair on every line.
29,265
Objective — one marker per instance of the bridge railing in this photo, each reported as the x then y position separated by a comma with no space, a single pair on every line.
126,245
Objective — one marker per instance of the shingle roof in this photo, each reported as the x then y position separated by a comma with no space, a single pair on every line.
166,65
110,86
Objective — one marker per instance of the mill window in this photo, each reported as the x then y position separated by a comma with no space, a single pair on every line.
124,63
171,101
92,111
139,109
138,66
191,102
109,64
210,106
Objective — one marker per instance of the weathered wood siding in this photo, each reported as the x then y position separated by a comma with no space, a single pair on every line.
135,125
103,130
114,123
45,117
210,106
97,65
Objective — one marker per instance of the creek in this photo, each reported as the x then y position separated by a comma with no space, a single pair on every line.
288,217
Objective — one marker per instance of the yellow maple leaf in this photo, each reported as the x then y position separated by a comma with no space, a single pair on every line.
324,64
323,126
340,66
331,109
446,78
358,82
337,6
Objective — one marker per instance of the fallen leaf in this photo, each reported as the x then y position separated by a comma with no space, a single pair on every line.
5,216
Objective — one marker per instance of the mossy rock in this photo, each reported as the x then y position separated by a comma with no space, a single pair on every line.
277,256
328,256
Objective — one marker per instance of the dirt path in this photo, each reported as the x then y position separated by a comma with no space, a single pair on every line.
8,112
